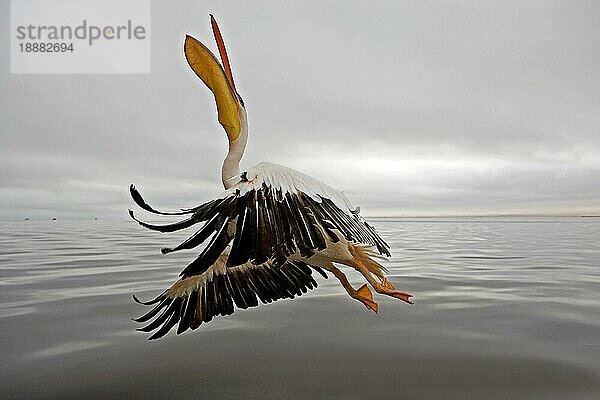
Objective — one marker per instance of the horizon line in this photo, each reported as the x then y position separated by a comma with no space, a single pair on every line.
427,216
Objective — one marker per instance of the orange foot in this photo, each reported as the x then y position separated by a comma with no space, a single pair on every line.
402,296
364,295
390,290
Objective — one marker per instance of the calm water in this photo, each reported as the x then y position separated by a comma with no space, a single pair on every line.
505,309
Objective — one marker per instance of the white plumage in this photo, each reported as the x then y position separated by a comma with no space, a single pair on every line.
291,181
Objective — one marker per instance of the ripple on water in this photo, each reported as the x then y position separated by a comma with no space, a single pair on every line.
67,348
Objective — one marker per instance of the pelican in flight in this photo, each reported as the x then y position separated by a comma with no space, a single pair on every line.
267,232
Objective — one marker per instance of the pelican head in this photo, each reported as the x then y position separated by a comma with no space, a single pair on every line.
219,79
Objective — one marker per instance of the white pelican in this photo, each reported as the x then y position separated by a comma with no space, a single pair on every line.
269,229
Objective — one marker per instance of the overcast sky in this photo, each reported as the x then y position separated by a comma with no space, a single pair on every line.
412,108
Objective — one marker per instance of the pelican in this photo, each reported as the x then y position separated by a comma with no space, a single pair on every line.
267,232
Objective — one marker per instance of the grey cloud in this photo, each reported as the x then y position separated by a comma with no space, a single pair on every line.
515,83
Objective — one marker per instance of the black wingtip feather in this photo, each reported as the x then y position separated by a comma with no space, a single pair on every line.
171,322
153,312
139,200
149,302
320,271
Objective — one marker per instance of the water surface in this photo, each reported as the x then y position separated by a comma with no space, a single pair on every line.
505,308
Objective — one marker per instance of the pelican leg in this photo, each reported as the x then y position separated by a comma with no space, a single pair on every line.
363,294
384,287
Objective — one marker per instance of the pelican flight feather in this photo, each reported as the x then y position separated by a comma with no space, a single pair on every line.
266,234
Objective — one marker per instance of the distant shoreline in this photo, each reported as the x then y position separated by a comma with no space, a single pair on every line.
443,216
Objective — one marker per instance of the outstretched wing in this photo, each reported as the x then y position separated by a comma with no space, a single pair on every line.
272,213
196,299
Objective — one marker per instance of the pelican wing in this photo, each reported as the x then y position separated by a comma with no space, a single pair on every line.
288,212
272,213
209,70
193,300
